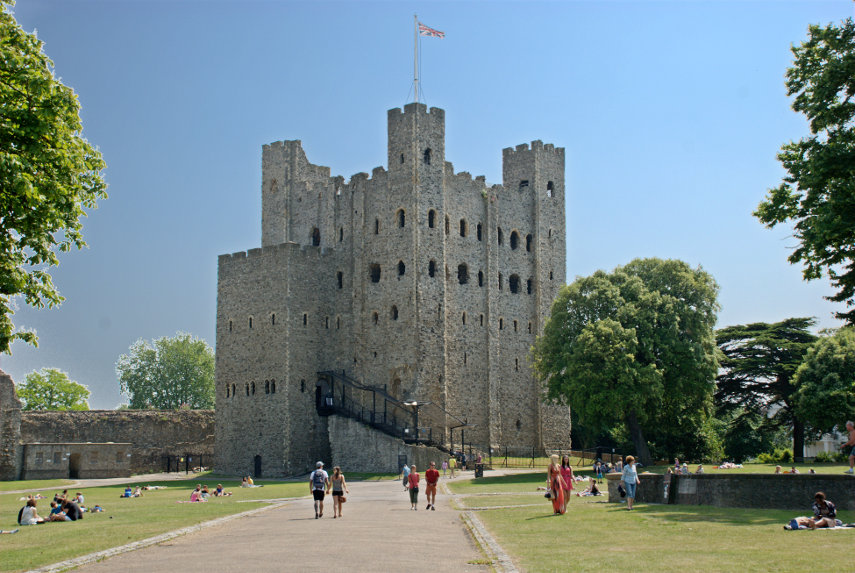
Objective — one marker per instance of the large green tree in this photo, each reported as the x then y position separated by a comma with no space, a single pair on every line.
757,369
49,174
634,346
817,195
168,373
825,382
52,389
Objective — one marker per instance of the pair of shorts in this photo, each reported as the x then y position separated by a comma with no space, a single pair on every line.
852,453
318,494
630,489
337,493
430,488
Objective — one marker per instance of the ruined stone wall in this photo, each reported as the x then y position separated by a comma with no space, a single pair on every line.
10,429
76,461
153,433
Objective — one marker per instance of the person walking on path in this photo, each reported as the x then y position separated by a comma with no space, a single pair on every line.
452,464
444,468
431,479
405,472
555,485
567,476
850,426
338,486
318,482
630,481
413,482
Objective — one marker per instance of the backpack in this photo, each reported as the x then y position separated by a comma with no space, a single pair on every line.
318,479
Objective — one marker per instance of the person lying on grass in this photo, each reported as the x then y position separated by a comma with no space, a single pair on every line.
590,490
220,492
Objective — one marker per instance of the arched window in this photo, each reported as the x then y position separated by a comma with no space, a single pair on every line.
305,319
478,231
550,275
431,268
252,385
230,326
480,278
250,322
340,234
327,322
462,227
233,390
528,243
394,312
374,272
273,386
402,268
500,281
402,218
462,273
528,286
273,319
501,236
247,389
267,386
302,385
431,218
447,225
376,226
515,241
515,326
427,156
228,391
482,320
316,237
517,364
337,322
375,317
464,319
549,189
523,184
501,324
529,328
514,283
340,278
402,158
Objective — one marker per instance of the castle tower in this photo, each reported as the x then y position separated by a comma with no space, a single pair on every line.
418,280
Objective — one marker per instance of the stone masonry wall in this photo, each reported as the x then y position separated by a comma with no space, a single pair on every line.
761,491
356,447
153,433
10,429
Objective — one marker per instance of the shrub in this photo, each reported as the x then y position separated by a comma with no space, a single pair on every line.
779,456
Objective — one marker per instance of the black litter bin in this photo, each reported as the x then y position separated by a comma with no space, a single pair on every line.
479,470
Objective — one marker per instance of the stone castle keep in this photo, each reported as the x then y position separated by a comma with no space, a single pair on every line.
416,290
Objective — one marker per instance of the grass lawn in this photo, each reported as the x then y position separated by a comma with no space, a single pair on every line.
651,538
34,484
123,521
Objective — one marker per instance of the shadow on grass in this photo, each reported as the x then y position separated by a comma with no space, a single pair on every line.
709,514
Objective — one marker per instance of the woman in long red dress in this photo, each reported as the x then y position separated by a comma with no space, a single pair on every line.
556,485
567,476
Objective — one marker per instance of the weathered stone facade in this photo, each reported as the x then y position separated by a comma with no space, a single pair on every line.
10,429
419,279
151,433
76,460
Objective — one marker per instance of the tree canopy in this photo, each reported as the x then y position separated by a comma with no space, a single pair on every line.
634,346
825,382
51,389
49,174
818,193
168,373
758,364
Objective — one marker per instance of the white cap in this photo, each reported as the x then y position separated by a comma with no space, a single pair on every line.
319,465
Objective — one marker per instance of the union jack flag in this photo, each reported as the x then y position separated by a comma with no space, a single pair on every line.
426,31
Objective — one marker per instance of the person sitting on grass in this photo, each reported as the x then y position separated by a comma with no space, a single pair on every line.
28,514
205,493
72,510
220,492
590,490
196,495
137,492
79,499
700,470
793,470
128,492
778,470
56,513
824,512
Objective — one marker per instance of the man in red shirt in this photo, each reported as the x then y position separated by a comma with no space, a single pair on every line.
431,477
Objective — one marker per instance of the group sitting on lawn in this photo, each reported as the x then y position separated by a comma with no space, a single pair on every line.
61,510
824,516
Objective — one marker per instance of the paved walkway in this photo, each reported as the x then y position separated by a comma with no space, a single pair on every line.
378,533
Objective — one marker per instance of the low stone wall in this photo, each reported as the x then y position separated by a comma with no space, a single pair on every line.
152,433
357,447
761,491
60,461
10,429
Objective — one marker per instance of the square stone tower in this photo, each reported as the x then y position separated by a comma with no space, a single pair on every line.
420,282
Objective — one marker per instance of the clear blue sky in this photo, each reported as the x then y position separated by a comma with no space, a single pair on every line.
671,114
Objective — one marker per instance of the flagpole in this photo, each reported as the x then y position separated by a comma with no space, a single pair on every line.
416,55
